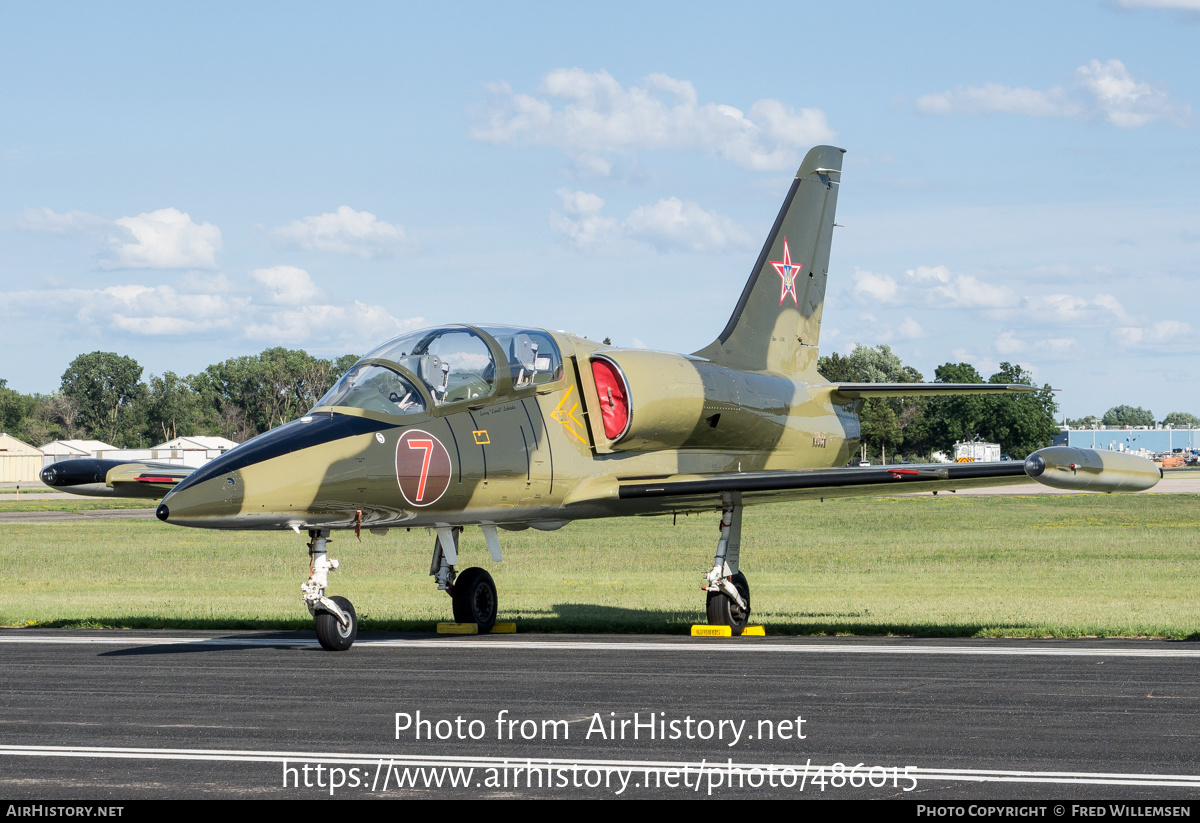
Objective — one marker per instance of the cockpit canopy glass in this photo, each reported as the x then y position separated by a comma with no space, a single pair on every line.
454,363
375,388
533,357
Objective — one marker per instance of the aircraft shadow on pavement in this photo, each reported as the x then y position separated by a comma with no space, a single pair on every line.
283,642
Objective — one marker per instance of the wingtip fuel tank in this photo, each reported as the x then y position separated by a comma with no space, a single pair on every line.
1090,470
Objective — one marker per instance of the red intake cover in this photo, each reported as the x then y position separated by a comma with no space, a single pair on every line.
614,405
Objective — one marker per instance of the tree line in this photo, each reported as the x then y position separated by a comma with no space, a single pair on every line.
1133,416
102,397
914,427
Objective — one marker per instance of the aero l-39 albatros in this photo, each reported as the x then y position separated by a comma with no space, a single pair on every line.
500,427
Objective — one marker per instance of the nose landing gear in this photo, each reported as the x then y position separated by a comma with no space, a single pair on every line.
336,621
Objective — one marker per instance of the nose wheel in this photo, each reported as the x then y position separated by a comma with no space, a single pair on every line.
336,622
334,636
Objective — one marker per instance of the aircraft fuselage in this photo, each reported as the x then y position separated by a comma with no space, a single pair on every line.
527,454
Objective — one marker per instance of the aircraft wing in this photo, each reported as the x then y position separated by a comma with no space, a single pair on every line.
857,390
1057,466
840,482
114,478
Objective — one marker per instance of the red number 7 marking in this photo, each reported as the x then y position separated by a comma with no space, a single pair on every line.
427,445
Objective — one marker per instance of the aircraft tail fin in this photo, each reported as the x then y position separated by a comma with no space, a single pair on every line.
777,321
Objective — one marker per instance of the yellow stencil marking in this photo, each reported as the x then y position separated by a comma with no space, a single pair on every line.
481,438
567,416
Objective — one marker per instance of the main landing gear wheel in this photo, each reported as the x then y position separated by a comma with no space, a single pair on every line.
725,611
333,635
474,599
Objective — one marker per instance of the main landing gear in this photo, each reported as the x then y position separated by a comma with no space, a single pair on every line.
472,591
728,592
337,624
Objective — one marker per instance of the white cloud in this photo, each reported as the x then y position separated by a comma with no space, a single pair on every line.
363,324
670,224
162,311
591,117
935,286
675,224
1073,310
968,292
874,288
994,97
1101,90
165,239
940,274
1053,348
1007,343
1165,335
289,286
345,231
910,329
162,239
581,221
72,222
945,289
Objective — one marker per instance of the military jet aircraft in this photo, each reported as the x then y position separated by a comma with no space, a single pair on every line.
502,427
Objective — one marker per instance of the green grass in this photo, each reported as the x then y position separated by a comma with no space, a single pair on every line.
75,505
1045,566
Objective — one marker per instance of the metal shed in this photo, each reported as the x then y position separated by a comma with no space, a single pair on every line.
19,461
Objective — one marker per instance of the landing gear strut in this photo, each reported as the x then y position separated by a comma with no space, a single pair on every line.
728,592
337,624
472,591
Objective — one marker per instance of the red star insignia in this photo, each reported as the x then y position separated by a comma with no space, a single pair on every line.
787,273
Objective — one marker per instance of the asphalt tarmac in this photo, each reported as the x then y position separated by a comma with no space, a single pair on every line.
114,715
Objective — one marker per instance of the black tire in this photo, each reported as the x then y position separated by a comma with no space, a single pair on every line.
723,611
474,598
333,637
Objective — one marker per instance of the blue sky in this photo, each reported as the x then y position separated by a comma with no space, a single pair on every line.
185,183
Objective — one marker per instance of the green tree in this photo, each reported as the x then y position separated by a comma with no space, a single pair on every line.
1178,419
107,389
898,429
1021,423
1083,422
252,394
173,408
14,408
958,417
881,428
1128,416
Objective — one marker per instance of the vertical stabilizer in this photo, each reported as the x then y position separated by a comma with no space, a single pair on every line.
777,321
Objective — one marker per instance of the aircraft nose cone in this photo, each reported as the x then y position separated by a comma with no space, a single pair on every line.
1035,464
162,512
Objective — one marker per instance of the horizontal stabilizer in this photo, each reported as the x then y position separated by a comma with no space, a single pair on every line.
856,390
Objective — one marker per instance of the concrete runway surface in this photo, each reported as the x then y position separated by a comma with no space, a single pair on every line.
138,714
